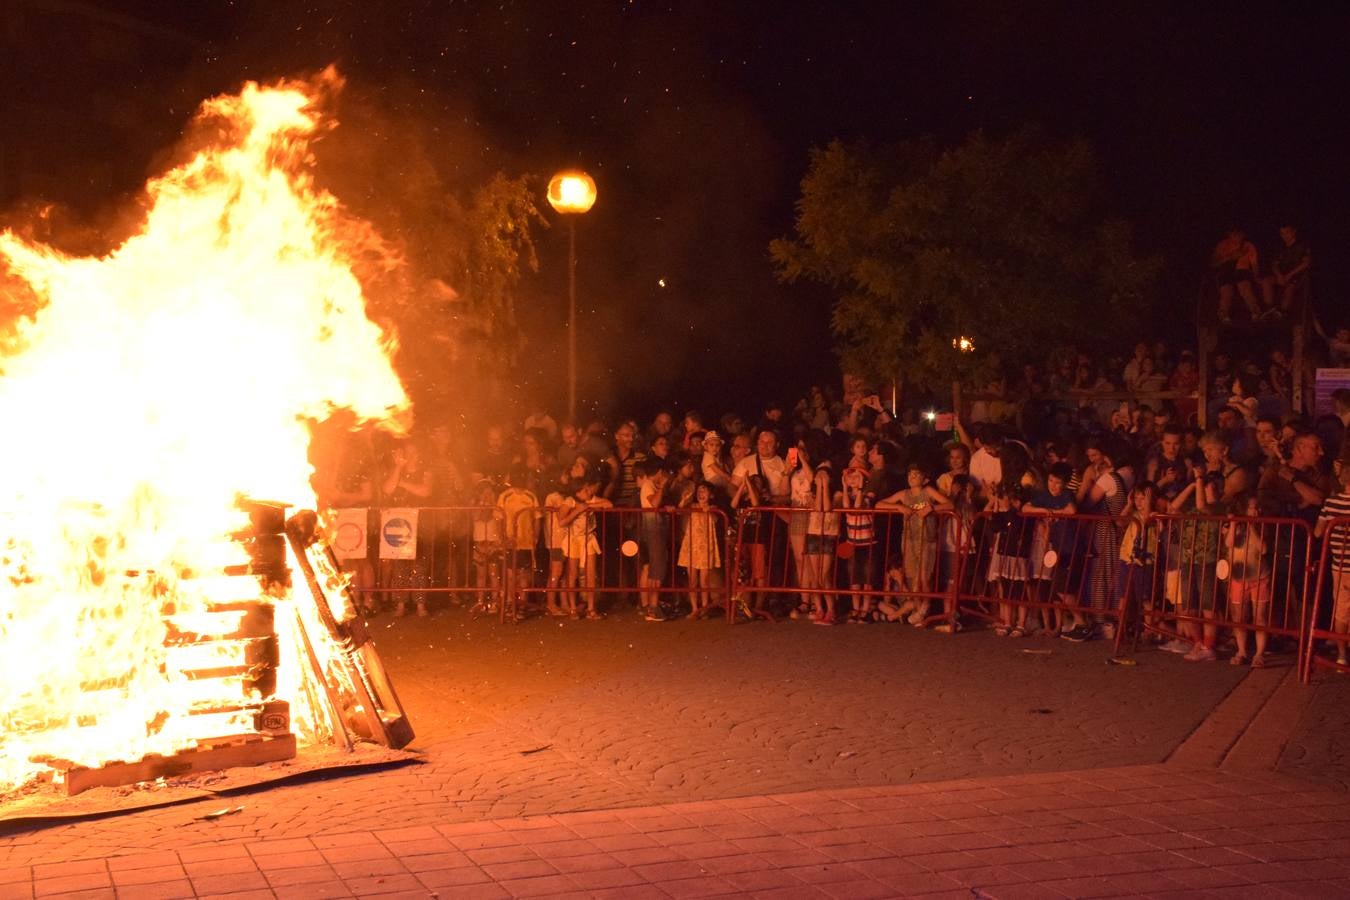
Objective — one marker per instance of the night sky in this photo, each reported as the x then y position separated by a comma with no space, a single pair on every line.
695,119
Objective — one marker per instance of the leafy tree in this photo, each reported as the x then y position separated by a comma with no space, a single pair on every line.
493,250
1000,240
453,306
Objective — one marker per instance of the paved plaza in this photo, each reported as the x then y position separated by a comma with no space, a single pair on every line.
628,759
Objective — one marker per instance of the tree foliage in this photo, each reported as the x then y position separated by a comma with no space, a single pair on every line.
494,249
1001,240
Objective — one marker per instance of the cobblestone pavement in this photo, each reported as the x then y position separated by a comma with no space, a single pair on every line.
1319,750
1159,831
636,714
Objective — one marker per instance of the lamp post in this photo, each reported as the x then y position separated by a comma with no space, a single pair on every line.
571,193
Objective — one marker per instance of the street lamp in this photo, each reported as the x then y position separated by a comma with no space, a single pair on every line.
571,193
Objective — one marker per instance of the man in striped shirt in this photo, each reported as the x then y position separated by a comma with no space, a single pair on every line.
1337,506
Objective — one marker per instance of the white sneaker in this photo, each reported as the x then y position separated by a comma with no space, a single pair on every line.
1176,645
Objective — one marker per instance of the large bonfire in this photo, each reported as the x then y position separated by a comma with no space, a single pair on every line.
144,392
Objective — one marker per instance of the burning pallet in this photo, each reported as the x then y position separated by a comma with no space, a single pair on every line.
209,755
237,637
360,698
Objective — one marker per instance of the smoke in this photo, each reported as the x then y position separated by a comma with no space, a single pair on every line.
691,181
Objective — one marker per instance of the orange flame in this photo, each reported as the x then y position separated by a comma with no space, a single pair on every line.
151,388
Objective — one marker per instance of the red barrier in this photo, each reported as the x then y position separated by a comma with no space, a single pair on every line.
502,556
1048,573
885,562
1174,576
1181,577
650,553
1235,574
1329,619
456,556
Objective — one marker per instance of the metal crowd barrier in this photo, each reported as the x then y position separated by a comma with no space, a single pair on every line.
811,556
448,559
1329,618
1057,569
605,551
1235,574
1186,576
500,560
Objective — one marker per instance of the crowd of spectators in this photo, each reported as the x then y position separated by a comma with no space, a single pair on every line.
541,489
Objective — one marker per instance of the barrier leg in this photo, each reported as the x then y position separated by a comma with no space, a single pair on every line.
1123,611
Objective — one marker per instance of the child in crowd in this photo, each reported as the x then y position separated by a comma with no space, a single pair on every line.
652,478
917,502
822,536
756,534
487,544
958,548
1191,566
518,511
1052,548
681,486
860,539
1337,506
1249,578
700,551
1009,546
1139,546
555,540
583,548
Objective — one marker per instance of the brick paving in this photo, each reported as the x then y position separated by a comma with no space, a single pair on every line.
1158,830
693,759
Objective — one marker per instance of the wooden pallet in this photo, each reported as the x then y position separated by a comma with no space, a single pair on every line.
244,750
364,687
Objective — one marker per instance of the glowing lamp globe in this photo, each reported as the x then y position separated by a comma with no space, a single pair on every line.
963,344
571,192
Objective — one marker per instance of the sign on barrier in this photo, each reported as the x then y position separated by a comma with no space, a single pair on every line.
398,533
348,533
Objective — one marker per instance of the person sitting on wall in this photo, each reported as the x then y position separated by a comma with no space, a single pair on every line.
1289,270
1234,263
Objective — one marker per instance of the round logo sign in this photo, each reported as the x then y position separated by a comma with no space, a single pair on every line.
398,532
349,537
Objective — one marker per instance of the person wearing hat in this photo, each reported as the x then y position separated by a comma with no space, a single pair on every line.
713,464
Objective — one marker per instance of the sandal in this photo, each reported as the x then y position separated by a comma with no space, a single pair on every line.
594,615
1017,632
1259,661
1000,631
1239,659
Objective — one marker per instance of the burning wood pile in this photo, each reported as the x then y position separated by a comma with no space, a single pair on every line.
151,623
